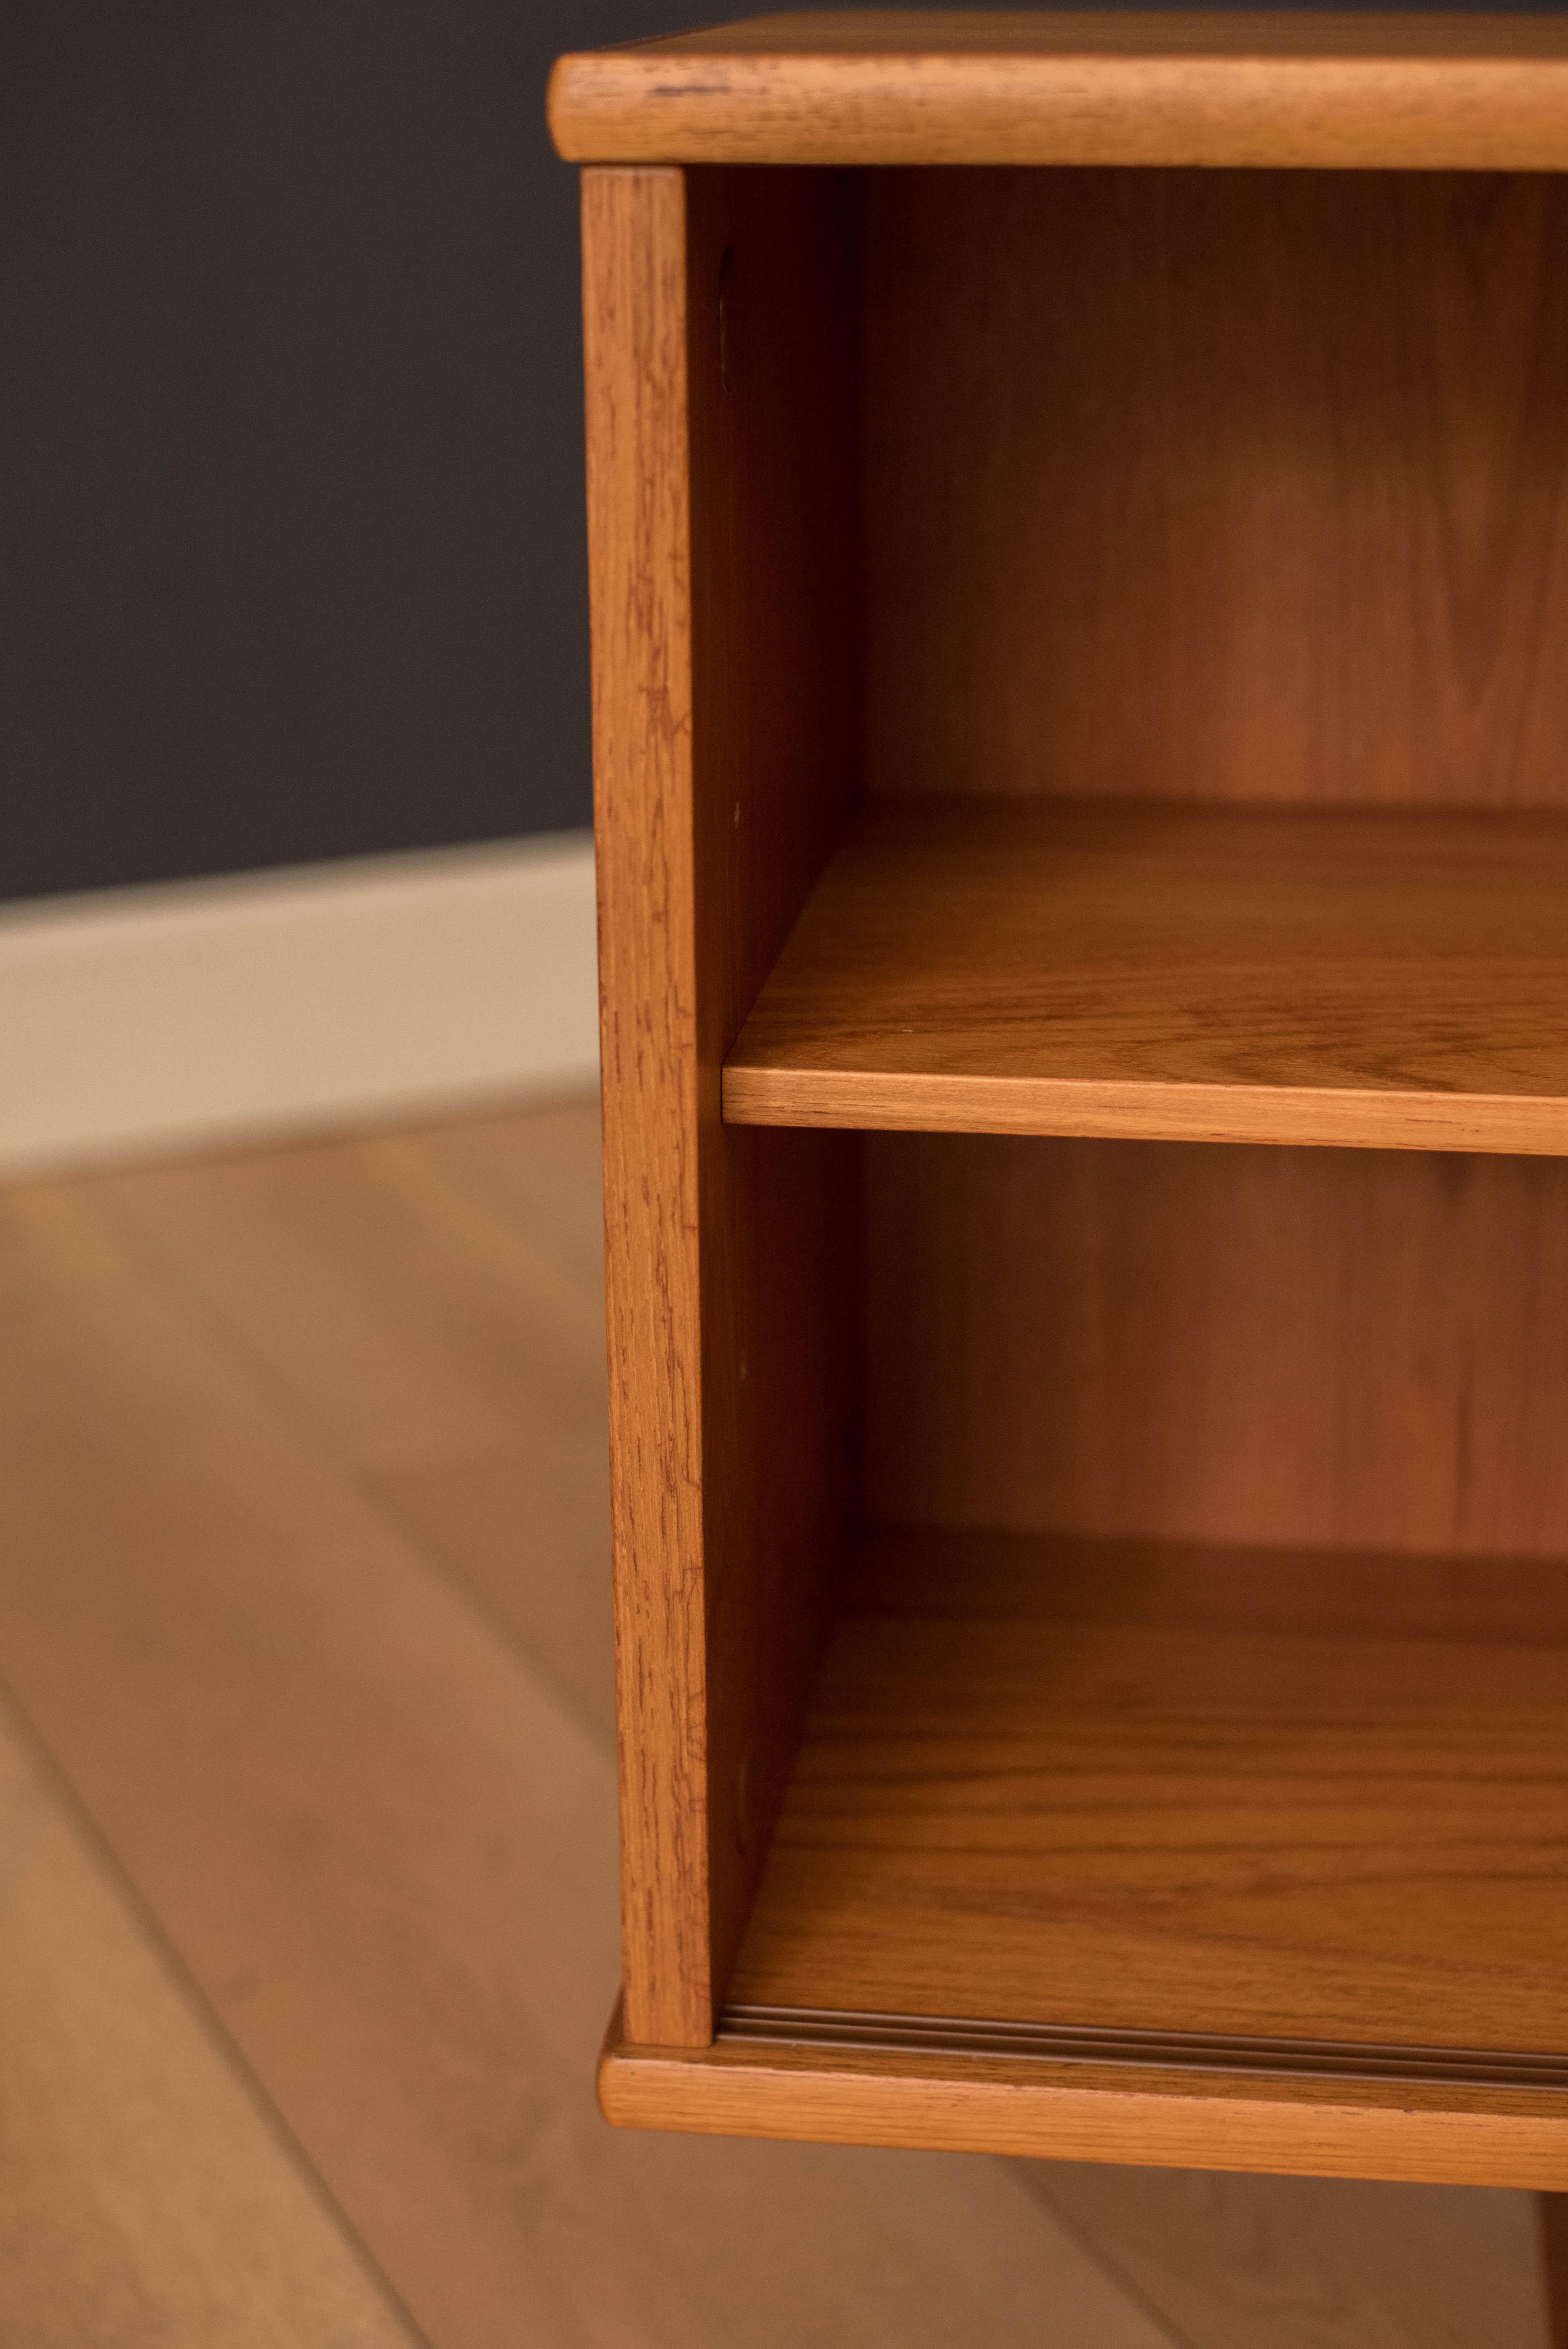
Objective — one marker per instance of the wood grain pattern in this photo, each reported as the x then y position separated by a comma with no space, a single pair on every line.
720,373
869,87
1330,1348
147,2199
1298,1795
633,305
776,745
1221,975
1217,486
970,2104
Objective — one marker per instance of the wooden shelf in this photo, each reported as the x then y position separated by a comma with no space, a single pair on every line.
1345,975
1300,1818
1298,1795
1429,91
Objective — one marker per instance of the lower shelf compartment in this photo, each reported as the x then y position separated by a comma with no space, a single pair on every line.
1258,1831
1247,1794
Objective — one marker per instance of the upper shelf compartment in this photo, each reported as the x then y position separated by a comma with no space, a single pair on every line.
1388,980
1413,92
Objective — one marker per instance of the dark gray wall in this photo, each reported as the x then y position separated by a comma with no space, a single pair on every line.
291,509
291,506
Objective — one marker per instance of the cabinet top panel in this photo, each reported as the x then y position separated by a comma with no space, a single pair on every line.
1367,92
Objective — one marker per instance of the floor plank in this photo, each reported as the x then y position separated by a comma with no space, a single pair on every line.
448,1346
147,2200
540,1167
383,1845
1312,2263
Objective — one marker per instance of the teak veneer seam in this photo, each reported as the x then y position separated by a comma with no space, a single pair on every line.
1425,92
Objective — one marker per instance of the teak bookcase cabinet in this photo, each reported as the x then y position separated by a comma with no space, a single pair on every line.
1081,684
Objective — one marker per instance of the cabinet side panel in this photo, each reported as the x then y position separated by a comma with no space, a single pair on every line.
1199,1342
1224,485
634,254
721,389
773,376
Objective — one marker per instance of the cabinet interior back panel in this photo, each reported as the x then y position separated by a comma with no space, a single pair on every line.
1228,486
1193,1341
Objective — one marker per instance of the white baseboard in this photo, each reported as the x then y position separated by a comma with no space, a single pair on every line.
207,1011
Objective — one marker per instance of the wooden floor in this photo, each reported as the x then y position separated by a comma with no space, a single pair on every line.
308,1907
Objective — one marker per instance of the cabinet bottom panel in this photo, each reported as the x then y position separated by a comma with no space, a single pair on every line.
1185,2116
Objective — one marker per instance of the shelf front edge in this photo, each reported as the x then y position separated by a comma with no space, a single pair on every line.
757,1093
1072,2111
1369,112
